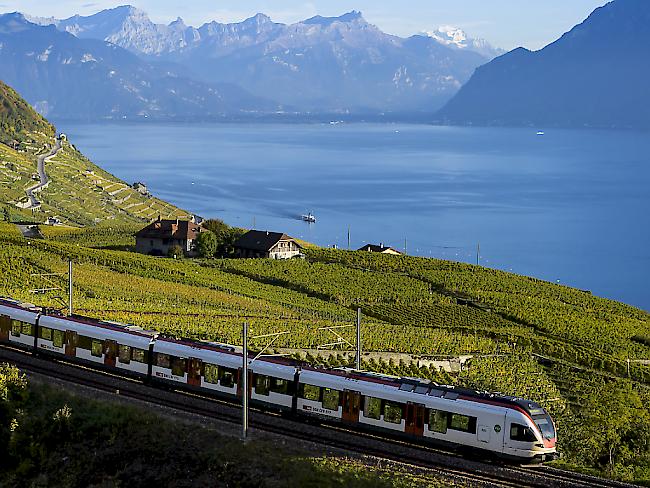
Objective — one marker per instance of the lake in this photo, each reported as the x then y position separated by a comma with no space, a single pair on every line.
570,206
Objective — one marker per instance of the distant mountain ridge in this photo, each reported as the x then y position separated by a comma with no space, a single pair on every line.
596,75
320,65
67,77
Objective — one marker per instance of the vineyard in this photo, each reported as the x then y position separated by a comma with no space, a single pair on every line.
557,354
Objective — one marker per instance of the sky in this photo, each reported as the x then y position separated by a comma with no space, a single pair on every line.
504,23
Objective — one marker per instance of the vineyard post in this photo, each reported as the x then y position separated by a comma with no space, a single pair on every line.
70,287
358,361
244,382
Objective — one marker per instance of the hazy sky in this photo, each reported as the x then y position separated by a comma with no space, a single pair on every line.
505,23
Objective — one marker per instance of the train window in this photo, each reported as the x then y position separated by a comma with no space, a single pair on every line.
310,392
438,421
96,349
372,408
262,384
393,413
211,373
227,377
84,342
15,328
462,423
57,338
138,355
125,354
331,399
522,433
46,333
27,329
178,366
162,360
279,385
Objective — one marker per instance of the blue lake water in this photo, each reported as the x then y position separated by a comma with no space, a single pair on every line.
569,206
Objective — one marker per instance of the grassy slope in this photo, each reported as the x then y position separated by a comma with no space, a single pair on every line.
80,193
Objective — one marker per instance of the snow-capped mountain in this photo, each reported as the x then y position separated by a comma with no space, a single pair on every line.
458,38
323,64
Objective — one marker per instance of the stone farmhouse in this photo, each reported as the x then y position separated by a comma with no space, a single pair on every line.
264,244
158,237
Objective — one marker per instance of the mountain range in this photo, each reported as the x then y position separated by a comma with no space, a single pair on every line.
596,75
341,65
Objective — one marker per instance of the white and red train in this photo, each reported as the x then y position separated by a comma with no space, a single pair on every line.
418,410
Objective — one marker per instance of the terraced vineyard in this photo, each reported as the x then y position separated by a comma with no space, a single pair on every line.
425,312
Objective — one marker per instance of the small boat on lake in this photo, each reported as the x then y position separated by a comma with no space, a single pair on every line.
541,133
309,217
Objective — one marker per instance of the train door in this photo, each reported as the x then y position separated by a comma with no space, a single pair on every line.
483,433
71,341
415,419
351,406
110,353
5,327
240,373
194,372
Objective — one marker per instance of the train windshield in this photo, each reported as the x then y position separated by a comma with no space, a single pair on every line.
545,424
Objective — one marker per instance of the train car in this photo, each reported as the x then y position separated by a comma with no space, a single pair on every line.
208,366
107,345
426,412
217,369
18,323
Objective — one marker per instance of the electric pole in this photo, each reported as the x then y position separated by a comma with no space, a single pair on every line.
244,383
358,361
70,287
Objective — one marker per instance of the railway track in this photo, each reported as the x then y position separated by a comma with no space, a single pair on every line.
422,459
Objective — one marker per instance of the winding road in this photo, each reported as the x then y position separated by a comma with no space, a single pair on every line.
44,180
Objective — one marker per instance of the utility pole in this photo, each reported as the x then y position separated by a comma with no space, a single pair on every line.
348,237
244,391
70,287
478,254
245,366
406,246
358,361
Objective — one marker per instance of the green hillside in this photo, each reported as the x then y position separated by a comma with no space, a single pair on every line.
19,122
79,194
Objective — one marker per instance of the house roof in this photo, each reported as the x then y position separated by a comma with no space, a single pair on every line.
378,248
259,240
170,229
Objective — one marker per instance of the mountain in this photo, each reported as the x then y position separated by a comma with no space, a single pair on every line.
457,38
18,119
323,64
596,75
64,76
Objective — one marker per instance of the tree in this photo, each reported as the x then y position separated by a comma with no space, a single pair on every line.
206,244
176,252
13,395
216,226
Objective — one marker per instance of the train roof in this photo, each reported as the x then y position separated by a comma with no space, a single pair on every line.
25,312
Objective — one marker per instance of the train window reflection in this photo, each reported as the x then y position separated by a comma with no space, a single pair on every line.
372,408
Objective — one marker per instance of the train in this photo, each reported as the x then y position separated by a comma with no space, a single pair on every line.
418,411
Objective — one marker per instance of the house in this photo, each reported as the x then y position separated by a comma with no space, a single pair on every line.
264,244
159,236
380,249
